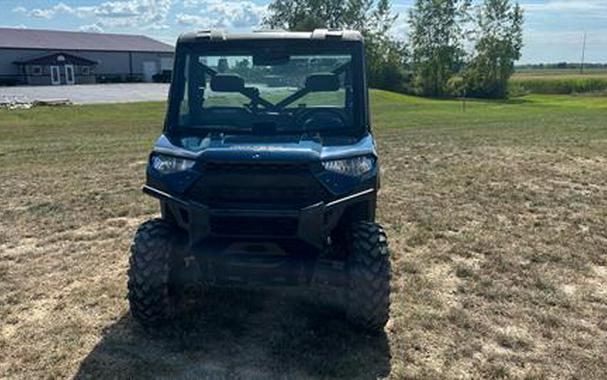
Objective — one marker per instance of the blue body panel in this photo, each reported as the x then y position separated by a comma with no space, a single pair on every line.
271,148
274,149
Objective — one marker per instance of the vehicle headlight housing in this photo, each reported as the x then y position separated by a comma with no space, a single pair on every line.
354,167
169,164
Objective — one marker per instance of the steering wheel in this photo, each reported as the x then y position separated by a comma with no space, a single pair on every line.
316,118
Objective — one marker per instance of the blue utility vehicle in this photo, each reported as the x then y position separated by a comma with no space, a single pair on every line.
266,173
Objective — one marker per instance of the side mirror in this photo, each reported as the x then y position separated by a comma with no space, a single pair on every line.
227,83
322,82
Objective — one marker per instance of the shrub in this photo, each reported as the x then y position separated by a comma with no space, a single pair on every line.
455,87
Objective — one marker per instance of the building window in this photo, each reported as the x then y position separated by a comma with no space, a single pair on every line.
36,70
85,70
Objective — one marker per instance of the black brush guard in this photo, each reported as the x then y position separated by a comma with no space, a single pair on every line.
311,224
256,222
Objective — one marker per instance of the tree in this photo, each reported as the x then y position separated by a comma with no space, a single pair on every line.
302,15
356,14
498,46
387,65
386,57
437,35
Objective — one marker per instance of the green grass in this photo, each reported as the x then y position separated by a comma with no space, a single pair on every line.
495,217
559,72
525,120
559,82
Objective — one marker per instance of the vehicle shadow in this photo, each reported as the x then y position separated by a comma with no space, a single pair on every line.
241,334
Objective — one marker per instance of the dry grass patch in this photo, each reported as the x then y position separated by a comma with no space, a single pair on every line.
496,220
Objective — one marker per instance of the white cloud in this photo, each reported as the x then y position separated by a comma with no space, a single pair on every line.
120,13
47,13
223,14
193,20
156,27
41,13
567,6
18,26
118,9
92,28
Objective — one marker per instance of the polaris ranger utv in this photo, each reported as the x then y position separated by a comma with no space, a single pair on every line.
267,174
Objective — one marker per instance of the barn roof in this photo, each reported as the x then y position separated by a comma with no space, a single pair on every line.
61,40
53,58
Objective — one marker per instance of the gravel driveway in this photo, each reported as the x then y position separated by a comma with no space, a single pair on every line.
89,93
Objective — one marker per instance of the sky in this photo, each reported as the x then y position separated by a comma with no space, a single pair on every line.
554,29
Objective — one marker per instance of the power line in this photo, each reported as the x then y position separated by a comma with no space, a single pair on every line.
583,54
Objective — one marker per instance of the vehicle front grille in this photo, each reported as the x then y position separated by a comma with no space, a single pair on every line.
224,185
261,194
255,168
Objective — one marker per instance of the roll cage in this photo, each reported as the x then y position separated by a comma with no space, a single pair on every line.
354,47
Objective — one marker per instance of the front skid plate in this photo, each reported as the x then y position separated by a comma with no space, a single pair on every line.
261,263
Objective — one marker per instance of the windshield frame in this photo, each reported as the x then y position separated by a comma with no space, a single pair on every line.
360,117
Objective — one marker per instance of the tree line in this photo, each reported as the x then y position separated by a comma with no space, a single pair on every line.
560,66
453,49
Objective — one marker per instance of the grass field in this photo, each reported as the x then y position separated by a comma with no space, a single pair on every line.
497,224
552,72
560,81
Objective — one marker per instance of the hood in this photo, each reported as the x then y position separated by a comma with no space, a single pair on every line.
225,147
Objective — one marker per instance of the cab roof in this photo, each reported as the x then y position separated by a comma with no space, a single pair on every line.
272,34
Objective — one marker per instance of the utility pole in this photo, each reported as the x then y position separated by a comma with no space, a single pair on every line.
583,54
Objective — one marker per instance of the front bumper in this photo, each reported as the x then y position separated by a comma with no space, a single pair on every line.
311,224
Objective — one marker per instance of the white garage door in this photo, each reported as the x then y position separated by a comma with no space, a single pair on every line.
149,70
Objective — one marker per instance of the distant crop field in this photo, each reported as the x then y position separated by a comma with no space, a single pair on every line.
497,225
560,81
560,72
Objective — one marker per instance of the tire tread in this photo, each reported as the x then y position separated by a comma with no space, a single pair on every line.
149,272
368,299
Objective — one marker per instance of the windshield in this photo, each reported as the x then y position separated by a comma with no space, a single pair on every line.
270,91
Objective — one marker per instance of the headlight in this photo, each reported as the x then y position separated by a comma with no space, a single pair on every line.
169,164
350,166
